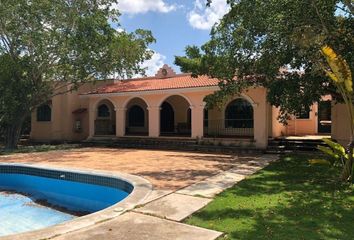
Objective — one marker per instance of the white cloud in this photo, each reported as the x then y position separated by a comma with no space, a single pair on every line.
202,17
151,67
143,6
154,64
120,30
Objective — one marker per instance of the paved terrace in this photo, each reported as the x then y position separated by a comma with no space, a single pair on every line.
183,183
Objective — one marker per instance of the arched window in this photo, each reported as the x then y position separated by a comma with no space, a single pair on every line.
136,116
103,111
44,113
239,114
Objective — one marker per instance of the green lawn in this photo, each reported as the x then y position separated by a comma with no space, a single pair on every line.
289,199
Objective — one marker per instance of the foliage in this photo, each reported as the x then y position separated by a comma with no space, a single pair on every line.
289,199
335,151
15,97
339,72
51,47
258,38
319,162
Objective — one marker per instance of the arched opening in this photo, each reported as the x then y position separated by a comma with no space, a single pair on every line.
175,117
238,117
167,118
324,118
105,122
137,118
103,111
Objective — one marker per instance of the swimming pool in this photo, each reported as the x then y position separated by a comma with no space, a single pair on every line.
20,213
64,194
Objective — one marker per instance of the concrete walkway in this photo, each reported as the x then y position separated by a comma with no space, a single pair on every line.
159,218
175,206
135,226
216,184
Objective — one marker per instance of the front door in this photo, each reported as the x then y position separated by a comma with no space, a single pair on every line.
324,117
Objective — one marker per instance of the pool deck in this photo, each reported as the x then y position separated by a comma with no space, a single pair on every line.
183,183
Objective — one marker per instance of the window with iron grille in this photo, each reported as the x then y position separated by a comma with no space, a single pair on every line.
239,114
103,111
44,113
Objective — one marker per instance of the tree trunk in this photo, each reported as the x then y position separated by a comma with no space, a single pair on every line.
12,134
347,173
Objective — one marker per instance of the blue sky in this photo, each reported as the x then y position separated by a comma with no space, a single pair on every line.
174,23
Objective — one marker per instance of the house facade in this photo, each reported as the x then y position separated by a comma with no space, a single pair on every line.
165,106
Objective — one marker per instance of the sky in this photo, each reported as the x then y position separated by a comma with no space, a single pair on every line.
174,24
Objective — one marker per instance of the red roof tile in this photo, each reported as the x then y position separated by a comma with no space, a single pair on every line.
153,83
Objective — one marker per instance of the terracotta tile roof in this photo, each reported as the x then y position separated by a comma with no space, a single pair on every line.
153,83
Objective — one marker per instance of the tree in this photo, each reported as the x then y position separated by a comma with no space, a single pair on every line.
258,38
337,69
48,47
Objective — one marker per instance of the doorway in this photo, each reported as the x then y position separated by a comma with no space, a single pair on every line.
324,117
167,119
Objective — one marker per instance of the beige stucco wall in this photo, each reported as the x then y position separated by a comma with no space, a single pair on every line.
61,127
295,127
305,126
340,124
278,129
261,117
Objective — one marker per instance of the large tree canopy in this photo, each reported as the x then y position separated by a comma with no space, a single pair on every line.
259,39
48,47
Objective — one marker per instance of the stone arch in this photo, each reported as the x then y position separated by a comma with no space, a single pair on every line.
179,95
100,100
174,116
105,117
126,102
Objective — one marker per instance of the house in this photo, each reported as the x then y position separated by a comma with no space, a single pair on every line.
169,105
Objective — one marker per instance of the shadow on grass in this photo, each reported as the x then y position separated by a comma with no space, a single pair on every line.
287,200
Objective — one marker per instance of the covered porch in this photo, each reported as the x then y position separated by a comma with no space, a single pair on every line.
182,116
172,105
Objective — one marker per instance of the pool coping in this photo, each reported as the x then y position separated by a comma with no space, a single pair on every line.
142,188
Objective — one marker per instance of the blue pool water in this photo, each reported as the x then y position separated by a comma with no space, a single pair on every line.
20,212
75,196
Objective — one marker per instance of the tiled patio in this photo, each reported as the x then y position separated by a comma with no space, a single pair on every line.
166,170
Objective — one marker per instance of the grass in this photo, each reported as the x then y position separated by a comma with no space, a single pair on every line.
290,199
38,148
